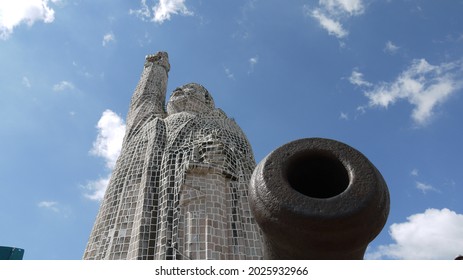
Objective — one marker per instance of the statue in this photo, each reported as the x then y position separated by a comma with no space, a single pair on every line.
180,186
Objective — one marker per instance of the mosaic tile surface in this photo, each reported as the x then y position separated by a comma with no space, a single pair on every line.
180,186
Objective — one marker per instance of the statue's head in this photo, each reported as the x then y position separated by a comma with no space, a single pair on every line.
191,97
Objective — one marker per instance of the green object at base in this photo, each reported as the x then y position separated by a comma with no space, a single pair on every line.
11,253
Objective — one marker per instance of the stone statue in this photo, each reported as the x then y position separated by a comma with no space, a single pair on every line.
180,186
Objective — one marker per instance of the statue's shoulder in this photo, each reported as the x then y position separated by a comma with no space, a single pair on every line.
219,117
217,112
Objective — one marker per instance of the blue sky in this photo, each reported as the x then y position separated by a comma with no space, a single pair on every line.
385,77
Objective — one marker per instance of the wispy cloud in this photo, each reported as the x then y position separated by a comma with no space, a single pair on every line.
344,116
97,188
390,47
108,144
252,63
331,13
107,38
331,25
144,12
51,205
351,7
423,85
425,187
26,82
81,70
356,78
63,85
162,11
13,13
434,234
243,21
145,40
253,60
229,73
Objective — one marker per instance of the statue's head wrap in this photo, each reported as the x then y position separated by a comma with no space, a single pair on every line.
191,97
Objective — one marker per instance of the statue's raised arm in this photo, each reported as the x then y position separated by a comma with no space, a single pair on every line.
148,100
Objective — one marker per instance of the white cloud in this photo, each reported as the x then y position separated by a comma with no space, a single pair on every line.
243,21
13,13
423,85
356,78
434,234
390,47
144,12
344,116
26,82
351,7
253,60
331,13
229,73
63,85
331,25
425,187
162,11
252,63
165,8
97,188
145,41
52,205
107,38
414,172
108,145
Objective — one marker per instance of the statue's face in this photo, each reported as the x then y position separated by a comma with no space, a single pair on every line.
190,98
